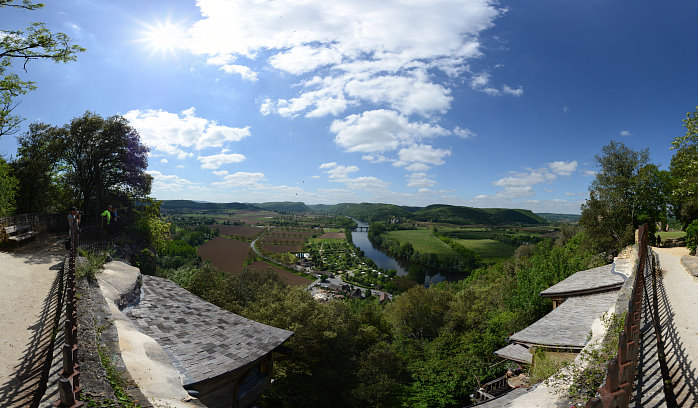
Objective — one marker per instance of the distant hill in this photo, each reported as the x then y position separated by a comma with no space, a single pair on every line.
284,206
369,212
365,211
186,205
434,213
469,215
568,218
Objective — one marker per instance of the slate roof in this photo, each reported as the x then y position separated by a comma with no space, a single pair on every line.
505,400
568,325
515,352
594,280
202,339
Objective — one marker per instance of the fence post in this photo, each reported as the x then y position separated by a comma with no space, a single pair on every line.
69,383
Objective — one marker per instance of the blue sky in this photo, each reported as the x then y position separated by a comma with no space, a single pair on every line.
478,103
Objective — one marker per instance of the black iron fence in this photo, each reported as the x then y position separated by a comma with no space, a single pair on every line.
69,381
617,390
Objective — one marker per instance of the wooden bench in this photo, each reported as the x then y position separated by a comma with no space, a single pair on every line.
17,233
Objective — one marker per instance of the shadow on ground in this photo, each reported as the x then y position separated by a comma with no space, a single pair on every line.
44,248
27,387
683,371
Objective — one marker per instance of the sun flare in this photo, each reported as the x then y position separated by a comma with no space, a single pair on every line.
164,37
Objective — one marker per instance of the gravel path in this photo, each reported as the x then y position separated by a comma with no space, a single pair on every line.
680,324
27,309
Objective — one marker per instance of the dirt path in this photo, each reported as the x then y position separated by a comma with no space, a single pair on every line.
680,324
28,277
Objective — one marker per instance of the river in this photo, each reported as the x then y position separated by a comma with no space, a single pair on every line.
387,262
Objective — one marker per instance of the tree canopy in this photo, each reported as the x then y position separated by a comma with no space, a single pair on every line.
684,171
90,162
17,49
627,190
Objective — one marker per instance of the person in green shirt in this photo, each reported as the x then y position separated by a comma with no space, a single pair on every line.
106,220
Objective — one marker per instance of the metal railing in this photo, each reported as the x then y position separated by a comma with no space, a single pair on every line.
69,381
617,389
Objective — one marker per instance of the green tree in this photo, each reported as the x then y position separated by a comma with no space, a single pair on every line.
626,191
37,167
684,171
17,49
105,161
8,186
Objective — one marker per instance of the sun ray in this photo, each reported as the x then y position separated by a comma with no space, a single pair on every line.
163,37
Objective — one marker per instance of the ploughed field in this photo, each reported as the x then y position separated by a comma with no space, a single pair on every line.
243,231
278,248
279,240
229,255
291,279
226,254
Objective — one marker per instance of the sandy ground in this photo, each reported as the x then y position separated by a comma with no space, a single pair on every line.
26,276
682,294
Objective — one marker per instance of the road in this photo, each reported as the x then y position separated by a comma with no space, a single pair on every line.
27,309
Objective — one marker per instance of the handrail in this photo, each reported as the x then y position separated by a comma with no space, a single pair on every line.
617,389
69,381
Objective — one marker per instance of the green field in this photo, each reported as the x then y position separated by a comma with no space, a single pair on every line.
488,249
671,234
423,241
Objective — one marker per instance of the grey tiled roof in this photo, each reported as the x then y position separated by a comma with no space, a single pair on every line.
589,281
202,339
505,400
569,324
515,352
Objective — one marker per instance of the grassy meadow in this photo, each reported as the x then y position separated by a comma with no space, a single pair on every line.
423,241
488,249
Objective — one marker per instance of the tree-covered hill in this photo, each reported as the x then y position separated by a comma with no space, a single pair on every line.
285,206
451,214
368,212
184,205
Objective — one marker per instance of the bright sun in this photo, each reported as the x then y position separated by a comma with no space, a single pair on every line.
164,37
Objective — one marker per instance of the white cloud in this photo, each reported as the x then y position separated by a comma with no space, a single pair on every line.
625,133
418,167
217,160
174,133
168,182
590,172
337,172
407,94
305,58
563,168
480,80
340,174
421,180
221,173
163,161
379,131
241,179
464,133
511,91
377,50
376,158
242,70
421,153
